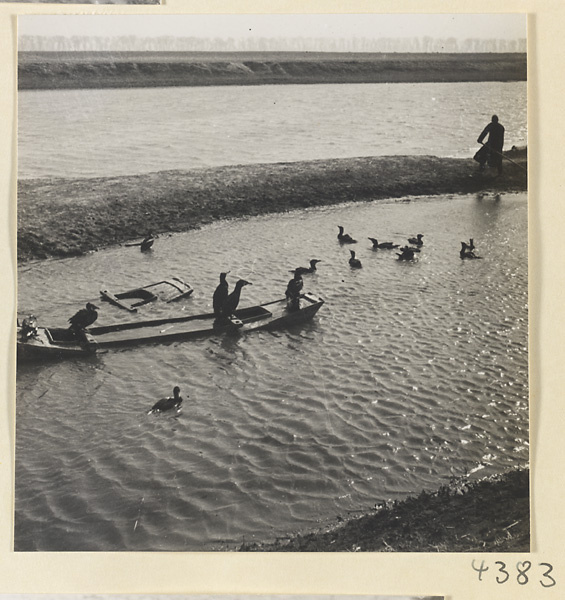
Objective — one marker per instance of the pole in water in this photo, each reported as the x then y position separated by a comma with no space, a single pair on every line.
504,156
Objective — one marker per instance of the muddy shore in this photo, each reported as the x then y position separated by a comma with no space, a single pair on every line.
63,217
85,70
489,515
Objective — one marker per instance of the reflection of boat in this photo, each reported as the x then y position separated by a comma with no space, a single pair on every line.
169,290
47,342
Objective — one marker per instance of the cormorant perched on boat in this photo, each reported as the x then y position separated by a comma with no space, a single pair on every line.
467,250
147,242
293,290
220,295
354,262
417,241
345,238
407,253
169,403
311,269
232,300
83,318
383,245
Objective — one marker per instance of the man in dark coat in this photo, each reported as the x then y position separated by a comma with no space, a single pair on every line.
492,149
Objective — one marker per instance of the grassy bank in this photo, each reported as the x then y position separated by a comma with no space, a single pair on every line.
490,515
68,217
66,70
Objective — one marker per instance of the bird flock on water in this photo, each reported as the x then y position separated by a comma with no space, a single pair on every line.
225,303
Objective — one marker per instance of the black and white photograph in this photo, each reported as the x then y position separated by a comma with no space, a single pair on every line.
272,284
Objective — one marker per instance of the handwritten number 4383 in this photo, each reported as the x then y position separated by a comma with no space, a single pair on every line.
524,573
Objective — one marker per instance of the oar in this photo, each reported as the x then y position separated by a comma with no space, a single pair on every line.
506,157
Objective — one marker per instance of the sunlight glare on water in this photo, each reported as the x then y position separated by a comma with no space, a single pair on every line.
409,374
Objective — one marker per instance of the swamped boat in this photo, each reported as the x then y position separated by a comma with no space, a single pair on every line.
38,343
166,291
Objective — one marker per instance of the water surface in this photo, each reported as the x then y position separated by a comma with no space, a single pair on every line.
409,374
92,133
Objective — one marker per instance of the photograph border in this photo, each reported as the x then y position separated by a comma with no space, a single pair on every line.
340,573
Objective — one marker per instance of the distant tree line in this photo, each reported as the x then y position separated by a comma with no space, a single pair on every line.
309,44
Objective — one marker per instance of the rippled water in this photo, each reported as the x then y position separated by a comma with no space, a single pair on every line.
409,374
91,133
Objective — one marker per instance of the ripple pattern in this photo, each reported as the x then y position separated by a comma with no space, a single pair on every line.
408,375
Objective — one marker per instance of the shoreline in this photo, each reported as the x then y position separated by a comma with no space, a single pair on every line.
60,217
486,515
90,70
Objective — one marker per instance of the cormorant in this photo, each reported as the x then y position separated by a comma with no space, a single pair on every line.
417,241
147,242
169,403
383,245
407,253
345,238
293,290
467,250
220,295
354,262
83,318
311,269
233,299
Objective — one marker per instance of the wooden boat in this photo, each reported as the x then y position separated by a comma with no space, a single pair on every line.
168,290
48,342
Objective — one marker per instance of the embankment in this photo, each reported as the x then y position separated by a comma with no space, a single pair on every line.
75,70
66,217
490,515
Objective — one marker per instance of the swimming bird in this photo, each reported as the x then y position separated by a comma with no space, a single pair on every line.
220,294
407,253
467,251
147,242
311,269
293,290
232,300
417,241
345,238
355,263
169,403
84,317
383,245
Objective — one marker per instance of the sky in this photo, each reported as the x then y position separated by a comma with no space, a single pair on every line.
461,26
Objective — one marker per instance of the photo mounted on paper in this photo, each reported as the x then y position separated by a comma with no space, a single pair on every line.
272,283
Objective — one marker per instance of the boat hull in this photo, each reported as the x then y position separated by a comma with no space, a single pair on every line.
50,343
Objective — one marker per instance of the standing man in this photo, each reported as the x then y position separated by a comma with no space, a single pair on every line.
492,150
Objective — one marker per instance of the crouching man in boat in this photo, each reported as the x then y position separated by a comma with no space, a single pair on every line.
293,291
28,328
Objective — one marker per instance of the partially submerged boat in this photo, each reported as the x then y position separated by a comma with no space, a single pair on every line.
53,342
168,290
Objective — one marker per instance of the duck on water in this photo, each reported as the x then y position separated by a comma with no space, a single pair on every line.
310,269
344,238
383,245
354,263
170,403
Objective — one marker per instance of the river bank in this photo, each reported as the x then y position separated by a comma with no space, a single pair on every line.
63,217
489,515
84,70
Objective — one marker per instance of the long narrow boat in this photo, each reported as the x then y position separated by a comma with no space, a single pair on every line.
168,290
53,342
